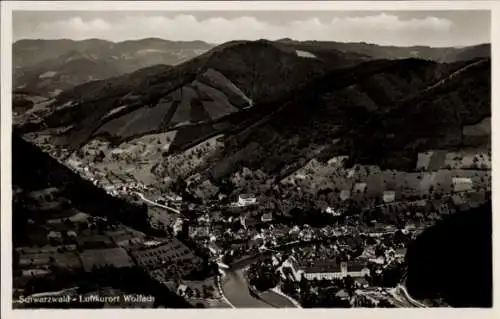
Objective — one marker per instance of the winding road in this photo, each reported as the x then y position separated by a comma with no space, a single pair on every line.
143,198
407,296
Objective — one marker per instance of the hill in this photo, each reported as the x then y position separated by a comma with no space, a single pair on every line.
227,80
442,254
374,51
149,51
362,112
48,67
50,77
272,109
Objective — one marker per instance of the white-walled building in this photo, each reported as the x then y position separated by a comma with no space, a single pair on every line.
333,211
177,227
360,187
267,217
332,271
246,200
389,196
345,195
461,184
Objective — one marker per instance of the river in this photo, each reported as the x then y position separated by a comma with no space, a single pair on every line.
236,288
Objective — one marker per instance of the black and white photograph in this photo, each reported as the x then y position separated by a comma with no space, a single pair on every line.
243,158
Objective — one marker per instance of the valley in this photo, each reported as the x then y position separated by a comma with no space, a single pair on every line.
174,161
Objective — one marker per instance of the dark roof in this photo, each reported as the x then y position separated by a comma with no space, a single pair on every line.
246,196
355,266
320,267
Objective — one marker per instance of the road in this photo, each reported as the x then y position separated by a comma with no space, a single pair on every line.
173,210
401,298
402,290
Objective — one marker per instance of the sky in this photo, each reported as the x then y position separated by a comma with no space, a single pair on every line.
400,28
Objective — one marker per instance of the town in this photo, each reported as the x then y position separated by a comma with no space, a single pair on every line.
344,249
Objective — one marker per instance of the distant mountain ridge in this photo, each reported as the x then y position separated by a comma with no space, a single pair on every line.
277,108
222,81
47,67
375,51
29,52
53,76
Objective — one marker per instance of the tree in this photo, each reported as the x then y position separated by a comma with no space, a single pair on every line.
197,293
189,292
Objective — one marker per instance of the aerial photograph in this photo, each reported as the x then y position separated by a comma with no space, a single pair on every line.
251,159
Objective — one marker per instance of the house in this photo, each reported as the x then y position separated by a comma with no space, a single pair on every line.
327,271
71,234
300,176
203,219
267,217
334,270
342,294
34,272
460,202
389,196
337,161
360,187
199,232
214,249
437,160
333,211
462,184
294,230
445,208
418,203
379,260
345,195
243,220
356,269
54,235
181,289
351,172
177,227
400,253
246,199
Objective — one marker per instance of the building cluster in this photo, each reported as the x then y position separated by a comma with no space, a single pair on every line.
115,184
330,270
